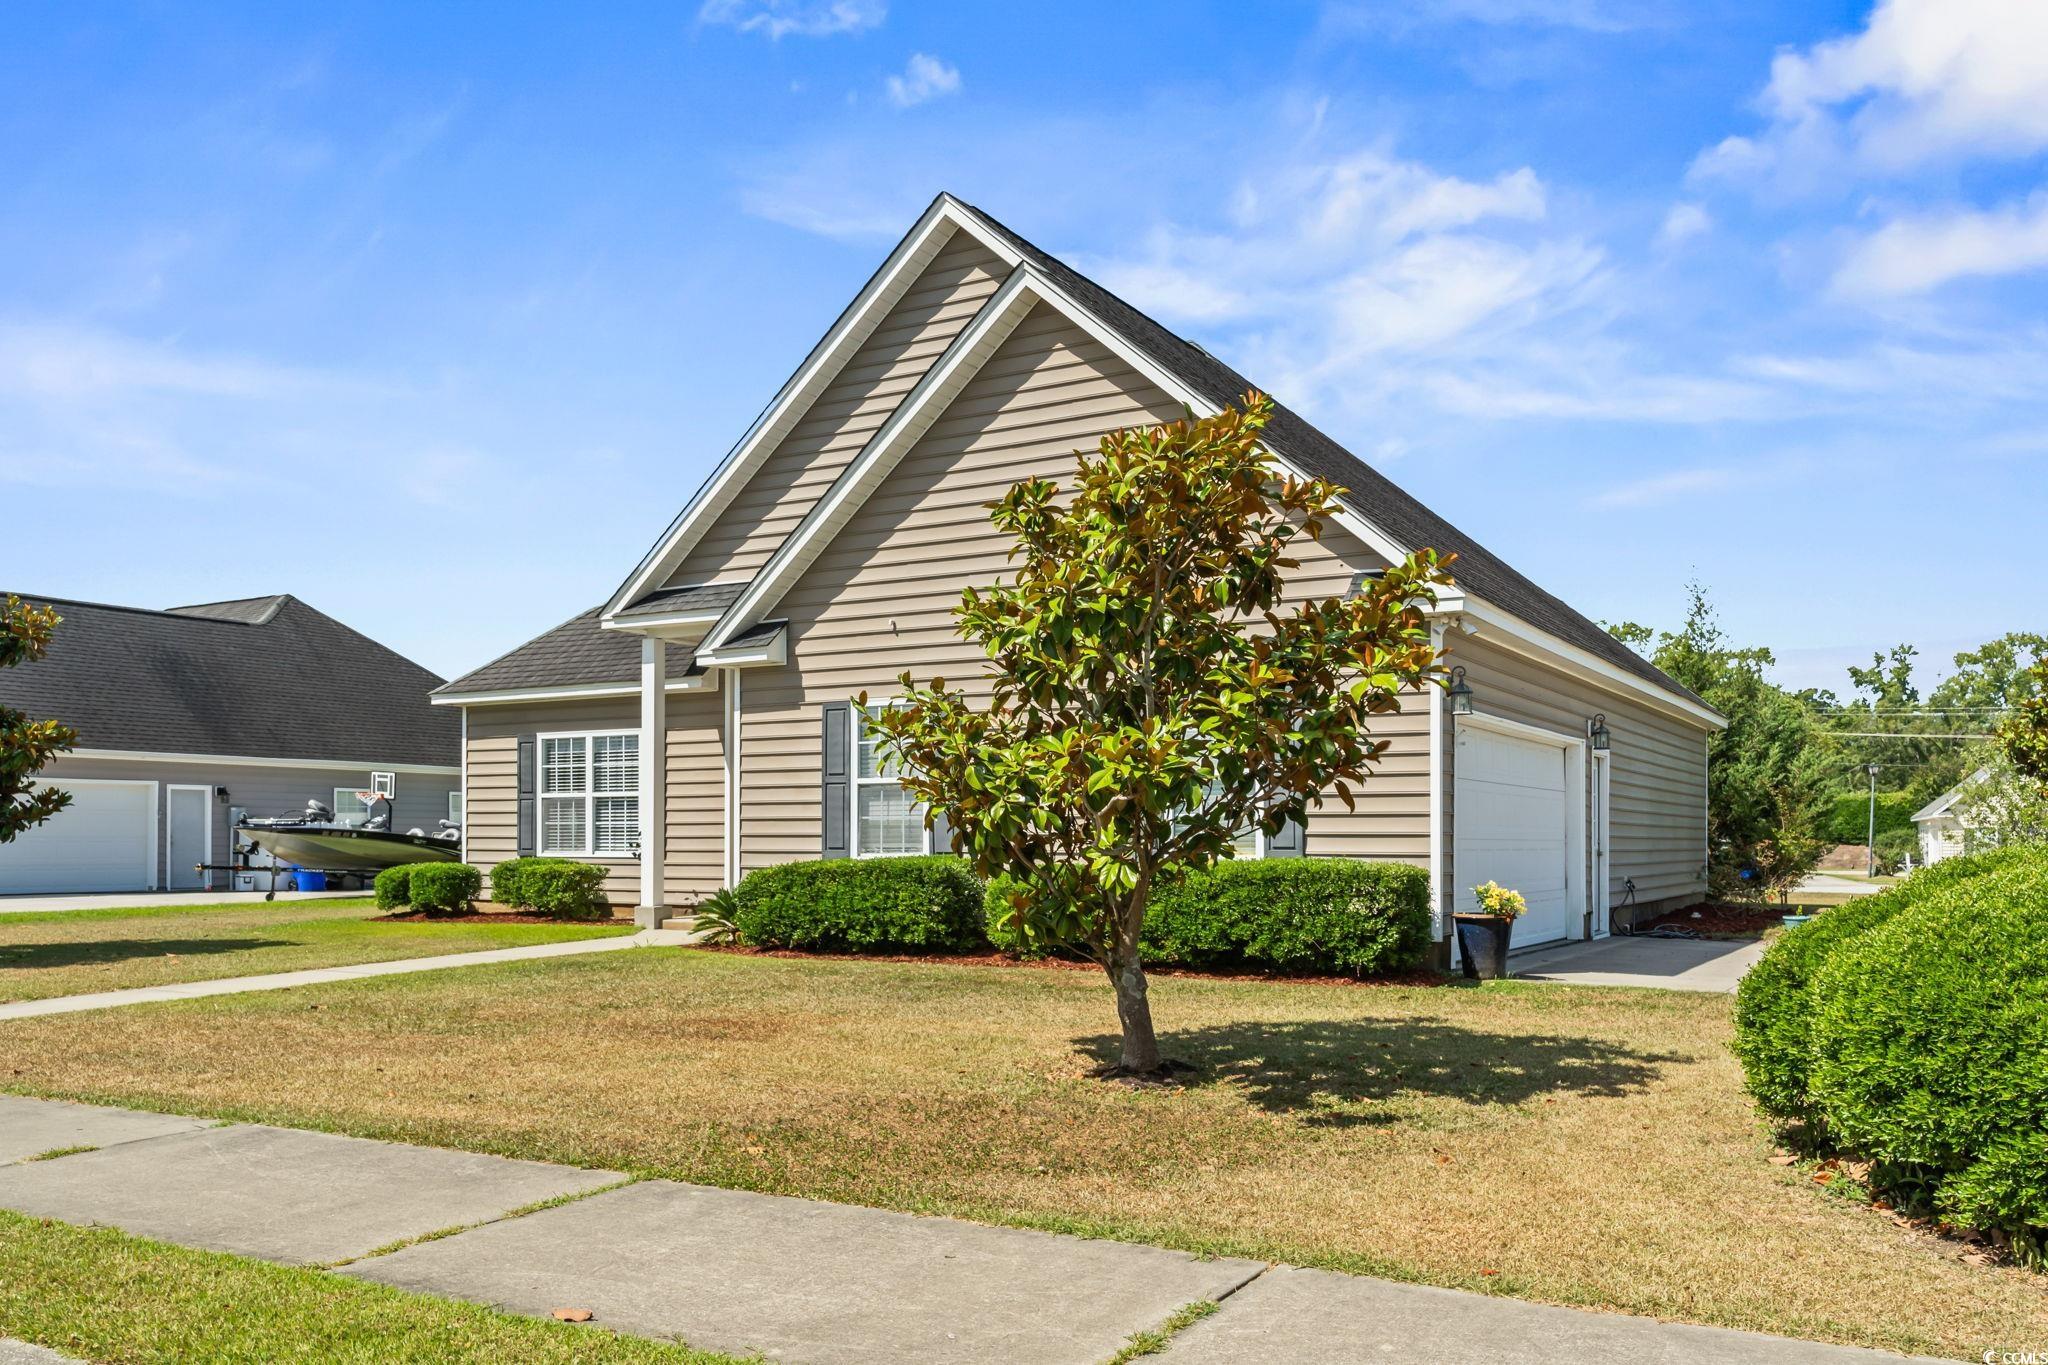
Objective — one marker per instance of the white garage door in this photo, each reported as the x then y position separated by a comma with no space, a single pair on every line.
100,842
1511,825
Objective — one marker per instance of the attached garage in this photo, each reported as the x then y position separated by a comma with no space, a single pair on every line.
1518,818
105,840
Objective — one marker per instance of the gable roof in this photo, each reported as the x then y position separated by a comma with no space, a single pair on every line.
259,677
1939,806
580,652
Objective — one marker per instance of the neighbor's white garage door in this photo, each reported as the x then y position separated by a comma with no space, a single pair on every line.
100,842
1510,825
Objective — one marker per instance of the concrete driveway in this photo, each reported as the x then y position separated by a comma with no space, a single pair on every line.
123,900
1671,964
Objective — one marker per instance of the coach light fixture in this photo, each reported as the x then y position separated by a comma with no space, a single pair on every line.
1461,693
1599,734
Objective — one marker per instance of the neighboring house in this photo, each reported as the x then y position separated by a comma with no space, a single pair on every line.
1944,831
189,718
824,555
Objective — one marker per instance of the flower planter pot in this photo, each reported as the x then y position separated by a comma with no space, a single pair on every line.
1483,945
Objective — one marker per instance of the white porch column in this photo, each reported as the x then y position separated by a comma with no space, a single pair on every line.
653,780
1439,915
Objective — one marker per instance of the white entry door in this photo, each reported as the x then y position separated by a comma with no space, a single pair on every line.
1511,823
188,832
102,841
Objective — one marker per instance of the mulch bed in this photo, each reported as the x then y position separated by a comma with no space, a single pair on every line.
482,917
1716,920
1418,977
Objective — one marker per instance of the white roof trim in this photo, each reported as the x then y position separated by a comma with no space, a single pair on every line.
919,246
694,682
1512,632
989,328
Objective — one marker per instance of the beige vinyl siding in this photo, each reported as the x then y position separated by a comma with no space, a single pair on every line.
1657,768
696,779
879,599
832,431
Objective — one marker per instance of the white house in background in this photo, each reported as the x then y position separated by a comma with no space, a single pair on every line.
1942,828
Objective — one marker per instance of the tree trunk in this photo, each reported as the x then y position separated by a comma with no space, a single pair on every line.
1134,1012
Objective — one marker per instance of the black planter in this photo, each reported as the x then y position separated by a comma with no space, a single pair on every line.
1483,945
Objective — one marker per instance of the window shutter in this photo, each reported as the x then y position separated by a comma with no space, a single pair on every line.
1290,842
836,786
526,796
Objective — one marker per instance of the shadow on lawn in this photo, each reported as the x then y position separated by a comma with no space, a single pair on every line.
1322,1069
33,956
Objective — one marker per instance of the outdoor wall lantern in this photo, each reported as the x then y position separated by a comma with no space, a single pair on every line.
1461,693
221,794
1599,733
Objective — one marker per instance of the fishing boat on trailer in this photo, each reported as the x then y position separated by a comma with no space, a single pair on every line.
316,841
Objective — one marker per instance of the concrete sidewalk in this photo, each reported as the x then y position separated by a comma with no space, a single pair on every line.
1670,964
793,1279
314,976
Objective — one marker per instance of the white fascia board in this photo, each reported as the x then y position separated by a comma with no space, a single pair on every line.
649,625
1513,633
958,363
1347,516
697,682
853,327
242,761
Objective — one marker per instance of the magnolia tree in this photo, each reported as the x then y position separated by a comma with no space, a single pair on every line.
2023,735
1151,697
26,745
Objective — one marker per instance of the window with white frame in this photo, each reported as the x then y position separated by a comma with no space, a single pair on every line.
455,807
351,805
887,821
1248,842
589,793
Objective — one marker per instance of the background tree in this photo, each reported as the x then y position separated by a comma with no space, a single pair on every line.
26,745
2023,734
1150,697
1767,773
2001,802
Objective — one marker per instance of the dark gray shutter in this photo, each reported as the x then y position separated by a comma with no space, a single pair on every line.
527,803
942,833
835,782
1290,842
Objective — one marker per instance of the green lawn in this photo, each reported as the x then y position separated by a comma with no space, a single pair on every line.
74,952
102,1295
1571,1145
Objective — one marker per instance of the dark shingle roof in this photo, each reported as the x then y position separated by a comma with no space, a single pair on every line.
579,652
697,597
1375,497
263,677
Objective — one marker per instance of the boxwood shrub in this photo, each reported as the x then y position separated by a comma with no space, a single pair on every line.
393,887
881,905
1930,1050
1774,1004
1338,915
443,888
560,887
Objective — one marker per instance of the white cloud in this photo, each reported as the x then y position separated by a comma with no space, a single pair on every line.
1663,488
1916,254
925,78
779,19
1684,222
1925,80
62,361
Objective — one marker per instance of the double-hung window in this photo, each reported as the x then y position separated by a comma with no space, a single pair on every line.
887,821
590,793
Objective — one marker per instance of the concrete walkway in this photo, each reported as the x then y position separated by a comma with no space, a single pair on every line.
793,1279
139,900
1671,964
314,976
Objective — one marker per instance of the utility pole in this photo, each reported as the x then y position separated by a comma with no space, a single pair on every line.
1870,848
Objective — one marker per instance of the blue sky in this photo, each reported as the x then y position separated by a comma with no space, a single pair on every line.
434,316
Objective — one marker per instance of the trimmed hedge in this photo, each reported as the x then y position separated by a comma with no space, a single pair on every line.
1774,1004
551,886
1294,915
1848,822
435,888
878,905
1930,1051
